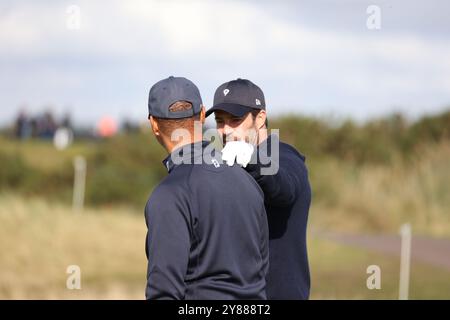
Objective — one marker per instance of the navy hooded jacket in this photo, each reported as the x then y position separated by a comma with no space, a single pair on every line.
287,196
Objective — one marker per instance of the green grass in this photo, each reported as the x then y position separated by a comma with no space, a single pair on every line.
42,155
379,198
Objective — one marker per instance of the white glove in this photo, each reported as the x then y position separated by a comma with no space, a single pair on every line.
239,150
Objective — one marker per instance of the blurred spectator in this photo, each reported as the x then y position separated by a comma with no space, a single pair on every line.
40,126
46,126
22,127
129,127
66,122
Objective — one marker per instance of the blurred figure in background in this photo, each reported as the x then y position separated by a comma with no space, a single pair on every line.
67,122
22,126
46,125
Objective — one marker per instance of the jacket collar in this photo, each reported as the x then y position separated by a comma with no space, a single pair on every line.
186,154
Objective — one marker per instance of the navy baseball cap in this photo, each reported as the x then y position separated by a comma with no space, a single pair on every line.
168,91
238,97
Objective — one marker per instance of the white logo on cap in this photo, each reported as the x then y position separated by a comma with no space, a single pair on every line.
225,92
258,103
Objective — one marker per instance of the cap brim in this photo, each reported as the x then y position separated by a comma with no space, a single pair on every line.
236,110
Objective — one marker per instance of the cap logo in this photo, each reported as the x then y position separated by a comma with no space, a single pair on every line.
225,92
258,103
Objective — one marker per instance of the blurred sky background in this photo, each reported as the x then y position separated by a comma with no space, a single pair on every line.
311,57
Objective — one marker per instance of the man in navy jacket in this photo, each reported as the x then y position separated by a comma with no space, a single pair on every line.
280,170
207,227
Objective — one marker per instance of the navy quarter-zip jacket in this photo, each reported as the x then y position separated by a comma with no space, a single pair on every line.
287,196
207,232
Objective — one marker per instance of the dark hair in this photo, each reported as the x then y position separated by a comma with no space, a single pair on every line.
255,113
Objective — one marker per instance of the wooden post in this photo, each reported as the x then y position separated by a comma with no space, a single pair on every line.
405,261
79,183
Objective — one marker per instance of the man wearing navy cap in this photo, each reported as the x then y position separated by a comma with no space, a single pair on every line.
207,227
240,113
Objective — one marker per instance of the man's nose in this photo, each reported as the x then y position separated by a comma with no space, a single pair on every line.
227,130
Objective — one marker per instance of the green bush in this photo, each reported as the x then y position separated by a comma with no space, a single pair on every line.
13,171
125,168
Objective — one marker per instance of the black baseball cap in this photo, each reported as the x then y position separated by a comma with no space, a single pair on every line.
238,97
168,91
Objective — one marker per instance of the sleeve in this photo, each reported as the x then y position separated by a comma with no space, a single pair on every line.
265,243
167,246
280,187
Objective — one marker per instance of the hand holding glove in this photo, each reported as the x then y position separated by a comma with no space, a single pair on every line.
237,150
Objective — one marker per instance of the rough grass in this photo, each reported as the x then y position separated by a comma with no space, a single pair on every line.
379,198
39,240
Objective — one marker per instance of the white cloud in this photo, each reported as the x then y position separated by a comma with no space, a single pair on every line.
141,41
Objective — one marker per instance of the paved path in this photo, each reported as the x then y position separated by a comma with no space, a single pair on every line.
433,251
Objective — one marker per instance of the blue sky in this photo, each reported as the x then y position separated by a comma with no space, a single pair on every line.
309,57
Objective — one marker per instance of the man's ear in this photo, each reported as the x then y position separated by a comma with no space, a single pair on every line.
202,115
155,127
261,119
